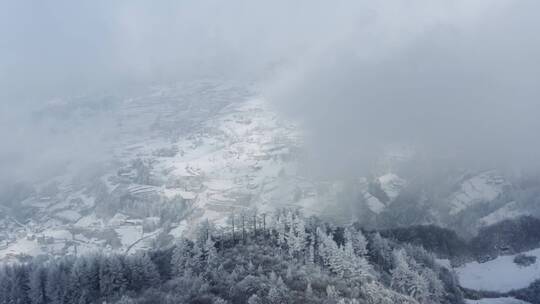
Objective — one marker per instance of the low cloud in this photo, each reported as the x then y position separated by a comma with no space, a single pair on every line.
455,79
461,88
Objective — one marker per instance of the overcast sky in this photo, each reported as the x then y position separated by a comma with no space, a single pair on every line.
454,78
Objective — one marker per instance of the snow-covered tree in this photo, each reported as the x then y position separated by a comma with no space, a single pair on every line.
281,225
401,273
376,293
357,240
330,253
142,271
297,235
310,259
343,261
5,285
419,288
331,292
37,291
436,287
309,289
112,276
406,280
278,293
57,279
125,300
77,282
20,285
181,257
237,273
254,299
380,251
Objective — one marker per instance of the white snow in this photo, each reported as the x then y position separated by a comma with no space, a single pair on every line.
373,203
391,184
118,219
507,211
179,230
444,263
89,221
500,274
497,301
129,234
61,234
21,246
187,195
68,215
483,187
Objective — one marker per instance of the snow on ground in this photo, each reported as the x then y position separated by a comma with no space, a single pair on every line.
68,215
59,233
129,234
500,274
178,231
508,211
497,301
483,187
21,246
445,263
89,221
391,184
118,219
373,203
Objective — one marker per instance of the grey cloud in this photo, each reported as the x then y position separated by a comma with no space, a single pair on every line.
456,78
459,89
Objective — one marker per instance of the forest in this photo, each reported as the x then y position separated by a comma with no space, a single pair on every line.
283,258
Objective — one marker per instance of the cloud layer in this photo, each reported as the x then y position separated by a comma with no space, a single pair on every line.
460,87
457,79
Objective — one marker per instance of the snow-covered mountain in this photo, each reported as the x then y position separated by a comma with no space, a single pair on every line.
177,155
181,154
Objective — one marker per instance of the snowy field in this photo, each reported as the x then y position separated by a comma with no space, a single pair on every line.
500,274
497,301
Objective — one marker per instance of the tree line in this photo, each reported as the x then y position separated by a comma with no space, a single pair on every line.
283,258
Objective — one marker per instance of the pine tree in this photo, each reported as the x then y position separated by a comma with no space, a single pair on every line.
57,278
375,293
118,275
91,277
331,292
125,300
297,238
254,299
181,257
380,251
281,228
401,274
142,272
436,287
219,300
311,255
406,280
355,267
288,274
343,261
204,255
37,291
112,276
77,285
211,254
20,286
5,285
419,288
309,289
105,278
357,240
